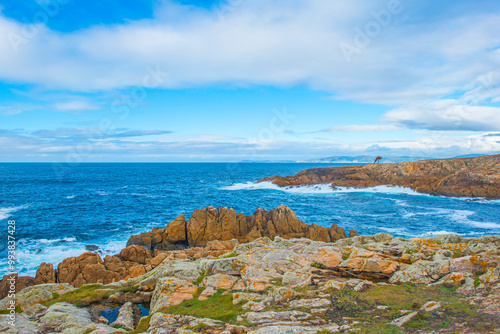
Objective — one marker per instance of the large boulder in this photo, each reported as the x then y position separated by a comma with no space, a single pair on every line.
84,269
171,291
172,237
36,294
215,224
66,318
21,282
135,254
45,274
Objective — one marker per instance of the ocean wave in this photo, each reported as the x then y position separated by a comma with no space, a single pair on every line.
307,189
70,197
32,252
6,212
323,189
327,188
463,217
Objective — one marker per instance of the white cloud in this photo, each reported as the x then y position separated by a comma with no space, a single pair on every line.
363,128
445,115
264,43
75,106
89,144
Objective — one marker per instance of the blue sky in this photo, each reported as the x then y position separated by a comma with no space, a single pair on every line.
232,80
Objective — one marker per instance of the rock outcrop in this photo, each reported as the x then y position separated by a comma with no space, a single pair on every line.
172,237
224,224
21,282
368,284
476,177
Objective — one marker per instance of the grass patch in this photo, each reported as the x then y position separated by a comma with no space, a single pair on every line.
218,307
360,306
345,256
81,297
230,255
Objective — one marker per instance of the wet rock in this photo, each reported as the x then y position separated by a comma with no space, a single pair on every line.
92,248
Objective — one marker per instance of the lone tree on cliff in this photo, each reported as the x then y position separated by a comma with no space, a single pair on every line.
377,159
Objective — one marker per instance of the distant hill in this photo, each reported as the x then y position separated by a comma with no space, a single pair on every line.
362,159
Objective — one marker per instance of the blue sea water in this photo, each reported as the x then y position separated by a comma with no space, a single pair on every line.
60,208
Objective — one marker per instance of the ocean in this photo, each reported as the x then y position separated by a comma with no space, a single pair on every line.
59,209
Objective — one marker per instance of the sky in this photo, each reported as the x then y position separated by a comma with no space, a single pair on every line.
232,80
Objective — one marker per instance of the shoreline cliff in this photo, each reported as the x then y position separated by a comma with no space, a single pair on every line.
462,177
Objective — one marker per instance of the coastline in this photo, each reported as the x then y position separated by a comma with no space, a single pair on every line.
274,282
459,177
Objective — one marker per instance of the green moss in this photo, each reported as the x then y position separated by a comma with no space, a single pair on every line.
18,310
199,327
346,303
318,265
200,278
218,307
129,288
142,326
345,256
230,255
82,296
476,282
360,306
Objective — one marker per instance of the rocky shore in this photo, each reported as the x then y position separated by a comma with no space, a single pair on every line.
270,274
472,177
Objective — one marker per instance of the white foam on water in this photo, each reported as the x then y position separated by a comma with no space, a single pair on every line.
328,188
103,193
32,252
6,212
323,189
400,230
307,189
434,233
462,216
70,197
